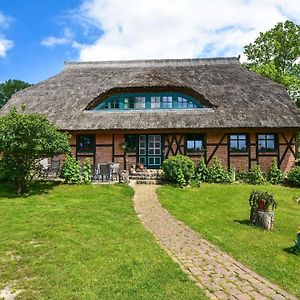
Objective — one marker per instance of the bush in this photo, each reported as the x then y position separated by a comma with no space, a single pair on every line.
217,173
70,170
294,176
255,175
275,175
87,171
202,172
241,176
179,169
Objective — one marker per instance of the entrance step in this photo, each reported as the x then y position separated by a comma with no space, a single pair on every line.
147,177
149,181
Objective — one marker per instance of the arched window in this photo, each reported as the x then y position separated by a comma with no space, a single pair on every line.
149,101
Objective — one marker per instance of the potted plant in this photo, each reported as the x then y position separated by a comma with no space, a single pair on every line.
140,166
261,215
261,200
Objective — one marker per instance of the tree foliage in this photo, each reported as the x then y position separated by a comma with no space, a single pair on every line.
24,140
9,87
275,54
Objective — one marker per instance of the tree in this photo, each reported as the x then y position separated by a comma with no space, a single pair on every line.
275,54
9,87
24,140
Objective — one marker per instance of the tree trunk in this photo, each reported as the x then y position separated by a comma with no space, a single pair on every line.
264,219
21,186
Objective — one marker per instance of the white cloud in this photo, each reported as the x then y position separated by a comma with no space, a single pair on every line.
52,41
5,44
138,29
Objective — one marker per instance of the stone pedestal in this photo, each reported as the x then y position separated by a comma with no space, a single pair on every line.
264,219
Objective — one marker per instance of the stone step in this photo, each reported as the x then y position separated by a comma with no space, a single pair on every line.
143,177
152,181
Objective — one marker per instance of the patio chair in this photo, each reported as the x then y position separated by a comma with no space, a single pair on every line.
114,171
94,170
54,167
104,171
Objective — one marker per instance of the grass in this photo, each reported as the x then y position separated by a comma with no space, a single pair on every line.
221,214
83,242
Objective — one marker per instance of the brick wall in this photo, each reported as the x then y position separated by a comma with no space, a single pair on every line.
108,148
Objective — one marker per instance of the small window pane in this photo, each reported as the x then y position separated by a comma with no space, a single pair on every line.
190,144
198,145
233,144
142,160
270,144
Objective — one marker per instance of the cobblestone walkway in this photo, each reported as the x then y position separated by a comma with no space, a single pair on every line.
218,274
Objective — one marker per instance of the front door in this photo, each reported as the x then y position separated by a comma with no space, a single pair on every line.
150,150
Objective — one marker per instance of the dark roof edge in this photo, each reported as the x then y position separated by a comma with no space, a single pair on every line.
153,63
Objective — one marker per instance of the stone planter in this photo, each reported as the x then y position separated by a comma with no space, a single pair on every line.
263,219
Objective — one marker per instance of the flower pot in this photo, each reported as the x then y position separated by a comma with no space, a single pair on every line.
261,204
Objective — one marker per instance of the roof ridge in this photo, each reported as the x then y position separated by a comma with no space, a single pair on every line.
152,62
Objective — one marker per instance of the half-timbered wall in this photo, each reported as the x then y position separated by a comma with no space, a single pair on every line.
108,149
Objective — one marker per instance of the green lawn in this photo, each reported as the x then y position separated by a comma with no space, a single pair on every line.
83,242
221,213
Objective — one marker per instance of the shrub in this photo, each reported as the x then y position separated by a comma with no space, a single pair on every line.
241,176
294,176
217,173
275,175
70,170
179,169
202,172
255,175
86,175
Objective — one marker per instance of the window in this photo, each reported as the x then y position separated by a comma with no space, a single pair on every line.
194,143
140,102
128,103
86,144
182,102
143,101
155,102
266,142
238,143
167,102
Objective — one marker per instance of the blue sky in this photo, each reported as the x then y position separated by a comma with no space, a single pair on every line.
37,36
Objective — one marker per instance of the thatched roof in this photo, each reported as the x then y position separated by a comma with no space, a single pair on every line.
236,96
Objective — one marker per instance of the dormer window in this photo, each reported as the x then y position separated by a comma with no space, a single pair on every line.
149,101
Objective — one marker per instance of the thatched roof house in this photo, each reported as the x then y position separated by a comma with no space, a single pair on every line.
226,110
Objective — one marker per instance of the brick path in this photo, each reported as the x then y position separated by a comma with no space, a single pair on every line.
218,274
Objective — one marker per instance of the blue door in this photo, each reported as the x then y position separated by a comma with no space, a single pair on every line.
150,150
